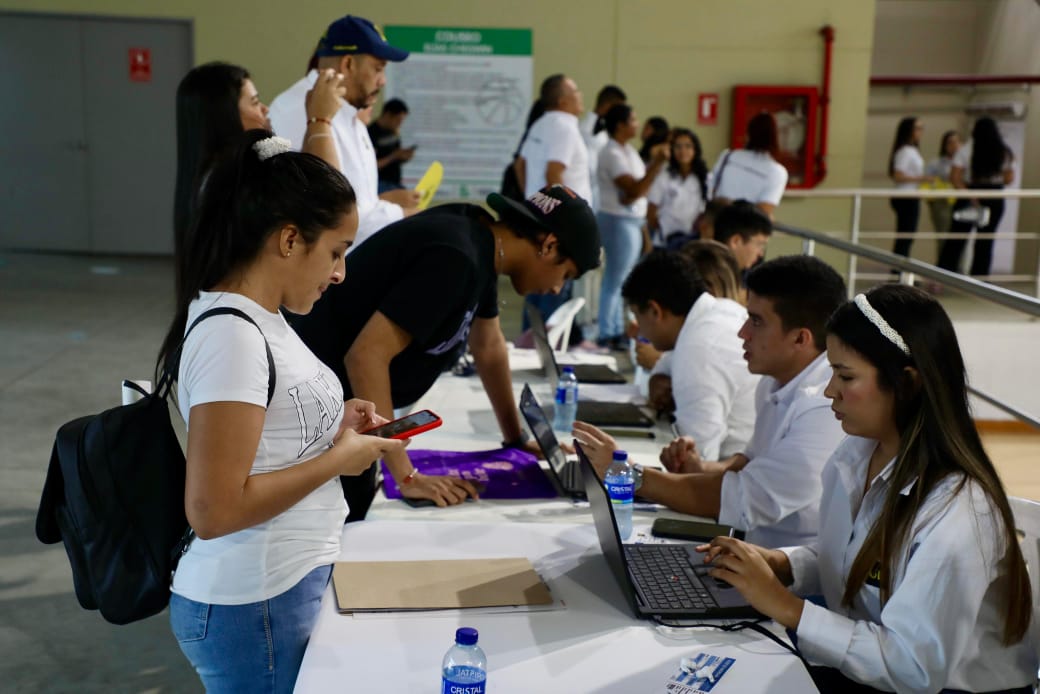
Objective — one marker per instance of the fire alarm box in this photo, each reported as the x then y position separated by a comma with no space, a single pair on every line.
795,111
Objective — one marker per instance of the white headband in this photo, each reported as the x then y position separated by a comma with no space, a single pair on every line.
880,323
269,147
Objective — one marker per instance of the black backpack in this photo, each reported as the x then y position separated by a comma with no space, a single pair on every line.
114,495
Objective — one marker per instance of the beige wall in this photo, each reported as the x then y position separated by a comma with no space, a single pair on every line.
663,52
950,37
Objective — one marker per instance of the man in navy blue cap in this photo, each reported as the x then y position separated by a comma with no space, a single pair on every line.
354,50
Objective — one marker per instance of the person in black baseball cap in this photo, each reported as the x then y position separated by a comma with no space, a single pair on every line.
560,211
416,295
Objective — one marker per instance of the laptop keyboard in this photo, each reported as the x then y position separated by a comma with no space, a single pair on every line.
667,579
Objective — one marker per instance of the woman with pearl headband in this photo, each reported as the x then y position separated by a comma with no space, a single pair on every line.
923,584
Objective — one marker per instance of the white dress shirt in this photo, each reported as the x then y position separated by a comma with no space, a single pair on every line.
775,498
357,157
556,137
713,390
943,622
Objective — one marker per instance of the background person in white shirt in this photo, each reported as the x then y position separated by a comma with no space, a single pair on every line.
677,196
918,561
906,169
353,47
594,132
752,173
984,163
719,272
261,490
772,489
714,392
554,151
623,183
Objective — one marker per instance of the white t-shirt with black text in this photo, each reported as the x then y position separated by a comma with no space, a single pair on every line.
224,360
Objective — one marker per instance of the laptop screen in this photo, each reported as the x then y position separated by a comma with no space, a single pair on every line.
539,425
541,344
606,529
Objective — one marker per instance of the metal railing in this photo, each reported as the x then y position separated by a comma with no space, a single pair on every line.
909,270
858,195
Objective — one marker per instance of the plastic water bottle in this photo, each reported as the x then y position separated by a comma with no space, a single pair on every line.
566,401
620,487
465,665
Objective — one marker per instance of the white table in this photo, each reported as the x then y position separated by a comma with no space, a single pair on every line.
594,644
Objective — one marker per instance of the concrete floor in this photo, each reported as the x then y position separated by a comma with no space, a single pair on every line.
72,327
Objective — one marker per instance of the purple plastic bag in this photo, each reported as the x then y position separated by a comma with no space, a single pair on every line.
504,473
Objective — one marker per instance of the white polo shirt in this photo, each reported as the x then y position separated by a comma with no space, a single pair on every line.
713,390
943,622
556,137
776,496
752,176
357,157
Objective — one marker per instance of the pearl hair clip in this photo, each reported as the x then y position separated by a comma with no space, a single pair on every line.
271,146
880,323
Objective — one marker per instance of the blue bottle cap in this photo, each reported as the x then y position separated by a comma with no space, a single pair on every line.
621,455
466,636
568,369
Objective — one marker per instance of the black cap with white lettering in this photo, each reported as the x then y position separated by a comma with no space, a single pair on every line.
559,210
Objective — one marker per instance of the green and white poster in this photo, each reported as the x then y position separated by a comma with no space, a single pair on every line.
468,92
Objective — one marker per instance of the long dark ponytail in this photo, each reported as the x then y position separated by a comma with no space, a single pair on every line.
208,121
989,152
937,437
246,199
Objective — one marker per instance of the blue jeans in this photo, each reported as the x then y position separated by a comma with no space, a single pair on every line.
257,647
622,239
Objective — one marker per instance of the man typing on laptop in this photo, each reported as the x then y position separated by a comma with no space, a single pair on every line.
771,489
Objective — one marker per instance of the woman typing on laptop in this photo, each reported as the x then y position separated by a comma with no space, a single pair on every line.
917,560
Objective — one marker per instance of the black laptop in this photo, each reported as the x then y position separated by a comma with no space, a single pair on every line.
585,373
565,473
602,414
665,581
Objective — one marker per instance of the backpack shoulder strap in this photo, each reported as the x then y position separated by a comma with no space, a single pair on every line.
718,179
174,364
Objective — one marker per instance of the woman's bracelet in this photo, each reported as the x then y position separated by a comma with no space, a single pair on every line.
318,119
409,477
314,136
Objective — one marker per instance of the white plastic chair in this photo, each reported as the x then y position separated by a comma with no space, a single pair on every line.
1027,523
558,326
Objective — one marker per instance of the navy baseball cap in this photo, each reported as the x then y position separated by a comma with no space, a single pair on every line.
563,212
355,35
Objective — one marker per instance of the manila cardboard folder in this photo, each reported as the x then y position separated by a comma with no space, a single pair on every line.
366,586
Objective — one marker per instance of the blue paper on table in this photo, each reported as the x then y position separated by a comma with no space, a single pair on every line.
504,473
